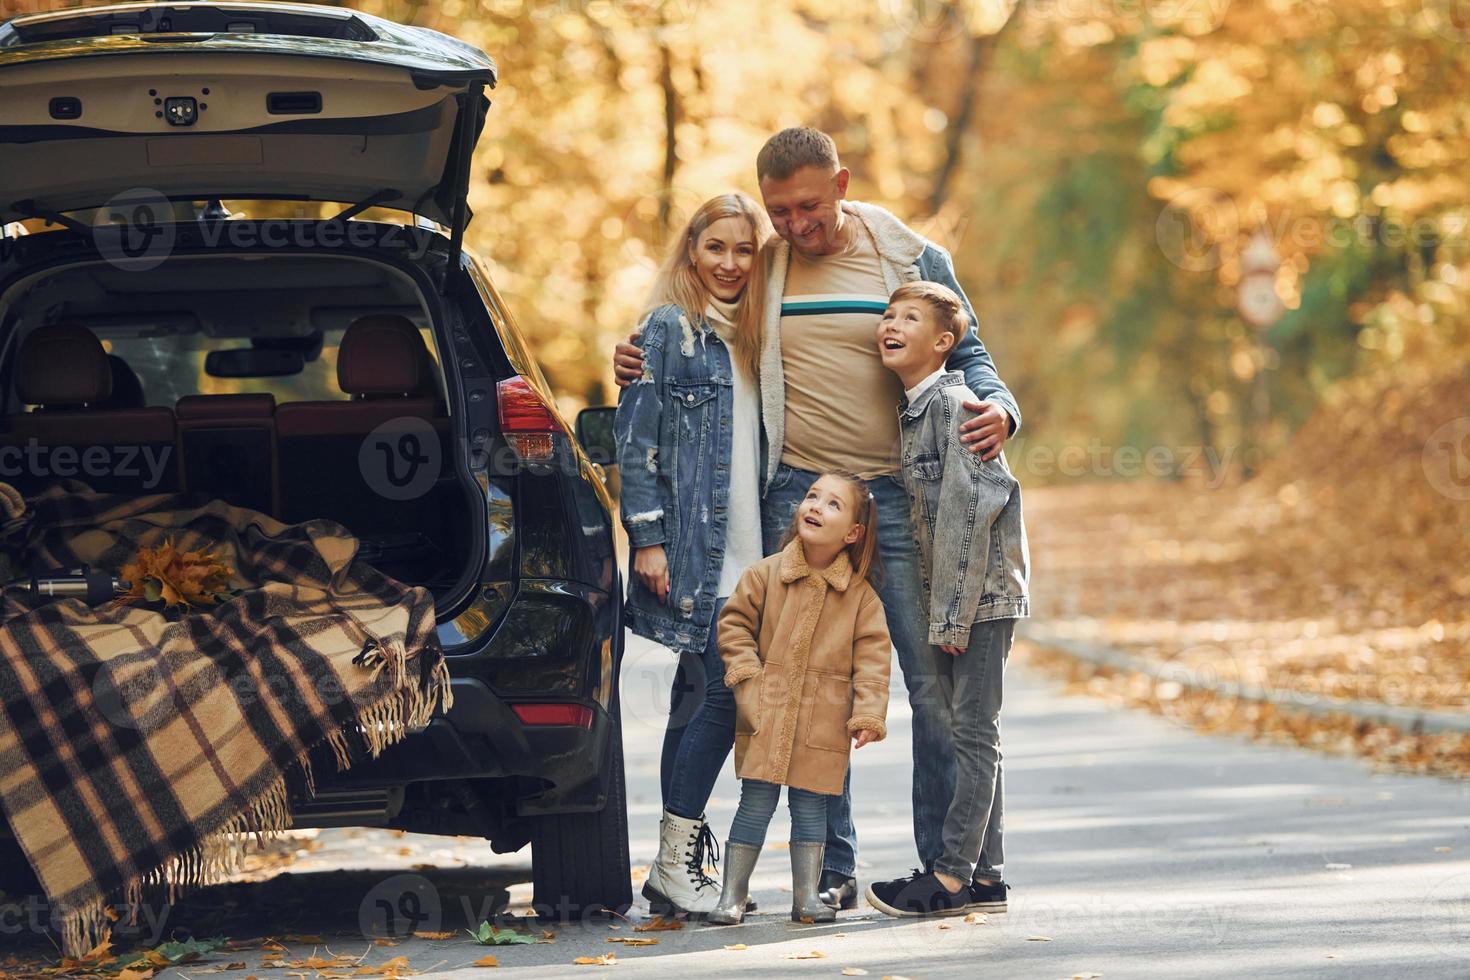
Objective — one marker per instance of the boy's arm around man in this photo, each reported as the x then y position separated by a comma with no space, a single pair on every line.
969,356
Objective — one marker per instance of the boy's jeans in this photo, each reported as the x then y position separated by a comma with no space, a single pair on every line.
934,770
970,685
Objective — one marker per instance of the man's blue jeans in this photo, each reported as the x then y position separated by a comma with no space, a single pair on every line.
901,591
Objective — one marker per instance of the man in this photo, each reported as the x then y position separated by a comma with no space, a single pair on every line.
829,403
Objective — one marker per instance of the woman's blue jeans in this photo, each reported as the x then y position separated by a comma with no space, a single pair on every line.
701,729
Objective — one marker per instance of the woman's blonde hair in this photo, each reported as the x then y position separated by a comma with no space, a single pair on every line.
679,283
862,553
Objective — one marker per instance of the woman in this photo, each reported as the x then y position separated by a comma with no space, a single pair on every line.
690,454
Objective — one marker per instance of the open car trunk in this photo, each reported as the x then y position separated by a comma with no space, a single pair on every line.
295,446
107,106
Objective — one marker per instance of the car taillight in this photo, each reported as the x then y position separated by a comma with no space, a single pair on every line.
526,421
577,715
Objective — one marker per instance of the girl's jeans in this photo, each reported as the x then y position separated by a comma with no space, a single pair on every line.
701,729
758,803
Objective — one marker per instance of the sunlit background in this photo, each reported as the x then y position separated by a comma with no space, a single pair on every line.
1217,247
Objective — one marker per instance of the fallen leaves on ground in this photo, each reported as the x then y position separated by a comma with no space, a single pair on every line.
606,959
659,924
488,935
1336,572
737,946
813,955
631,941
435,935
1038,939
854,971
486,961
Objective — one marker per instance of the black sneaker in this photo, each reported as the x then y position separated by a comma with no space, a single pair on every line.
988,898
838,891
918,895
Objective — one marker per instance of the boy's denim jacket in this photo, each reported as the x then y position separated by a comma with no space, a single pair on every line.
967,517
673,429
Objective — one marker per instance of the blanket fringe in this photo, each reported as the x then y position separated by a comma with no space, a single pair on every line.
214,859
218,856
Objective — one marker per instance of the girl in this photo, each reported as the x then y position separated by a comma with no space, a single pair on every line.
690,454
806,650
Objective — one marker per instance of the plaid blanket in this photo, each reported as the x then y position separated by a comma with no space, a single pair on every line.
143,749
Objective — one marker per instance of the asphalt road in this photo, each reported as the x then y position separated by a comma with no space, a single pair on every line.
1137,848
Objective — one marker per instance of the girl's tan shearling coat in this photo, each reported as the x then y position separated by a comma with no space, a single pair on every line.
807,654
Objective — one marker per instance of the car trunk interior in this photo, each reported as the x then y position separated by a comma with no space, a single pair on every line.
300,386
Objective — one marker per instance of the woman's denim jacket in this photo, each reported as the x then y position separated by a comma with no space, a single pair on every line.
967,517
673,431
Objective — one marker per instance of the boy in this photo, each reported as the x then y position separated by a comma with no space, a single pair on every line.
973,558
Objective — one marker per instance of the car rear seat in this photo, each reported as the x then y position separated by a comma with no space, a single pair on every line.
229,446
386,369
63,371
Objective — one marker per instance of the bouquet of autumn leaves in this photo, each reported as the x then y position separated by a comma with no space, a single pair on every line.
177,578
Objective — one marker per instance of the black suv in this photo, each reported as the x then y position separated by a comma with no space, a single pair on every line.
252,214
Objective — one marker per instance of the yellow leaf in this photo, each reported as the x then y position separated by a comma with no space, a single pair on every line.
102,951
129,974
606,959
659,924
813,955
976,918
854,971
738,946
1038,939
435,935
630,941
486,961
